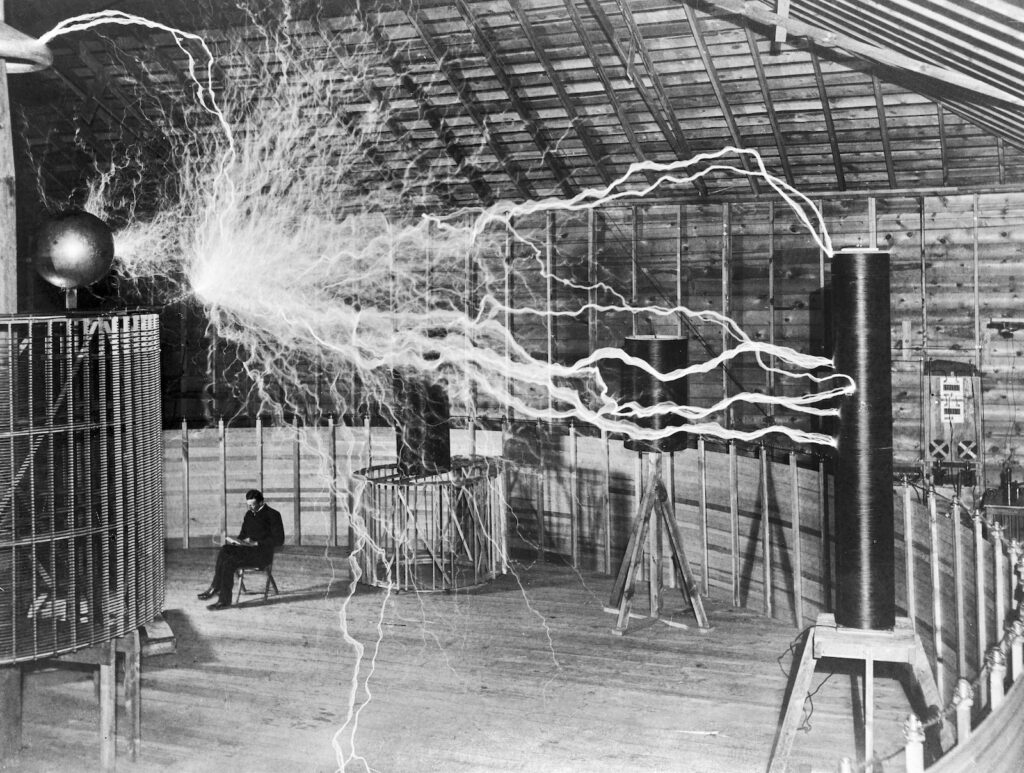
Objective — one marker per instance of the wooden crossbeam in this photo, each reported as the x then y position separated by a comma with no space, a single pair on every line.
590,144
769,104
469,102
549,155
943,143
716,86
449,142
830,126
883,129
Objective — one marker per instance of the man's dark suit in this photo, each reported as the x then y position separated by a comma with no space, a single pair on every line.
264,526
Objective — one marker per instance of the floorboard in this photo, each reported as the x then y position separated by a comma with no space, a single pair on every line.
522,674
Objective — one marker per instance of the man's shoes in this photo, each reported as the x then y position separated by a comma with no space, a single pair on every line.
219,605
209,593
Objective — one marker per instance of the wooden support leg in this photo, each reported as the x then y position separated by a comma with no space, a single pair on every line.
133,692
925,679
800,684
10,711
633,547
869,711
688,585
108,708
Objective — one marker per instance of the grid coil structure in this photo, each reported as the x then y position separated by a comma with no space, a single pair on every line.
437,532
81,505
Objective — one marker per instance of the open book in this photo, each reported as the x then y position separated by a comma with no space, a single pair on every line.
244,542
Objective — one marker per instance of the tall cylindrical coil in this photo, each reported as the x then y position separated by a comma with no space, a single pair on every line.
81,505
665,354
865,562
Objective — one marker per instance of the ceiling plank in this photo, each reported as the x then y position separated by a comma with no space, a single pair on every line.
83,94
526,114
463,164
470,104
555,81
102,76
661,110
716,86
883,129
830,126
826,39
609,90
769,104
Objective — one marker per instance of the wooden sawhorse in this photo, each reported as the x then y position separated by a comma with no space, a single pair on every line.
654,500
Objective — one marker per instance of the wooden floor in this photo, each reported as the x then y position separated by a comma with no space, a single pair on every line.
520,675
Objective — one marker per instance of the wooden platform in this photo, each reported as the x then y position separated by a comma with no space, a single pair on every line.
504,678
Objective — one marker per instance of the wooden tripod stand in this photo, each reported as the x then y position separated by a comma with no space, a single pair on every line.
654,500
827,640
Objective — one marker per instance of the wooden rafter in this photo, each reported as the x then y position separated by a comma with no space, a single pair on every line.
102,77
609,90
716,86
526,114
463,164
769,104
883,129
555,81
779,33
830,126
658,105
943,143
83,93
470,104
826,39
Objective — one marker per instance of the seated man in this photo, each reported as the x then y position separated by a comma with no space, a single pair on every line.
262,531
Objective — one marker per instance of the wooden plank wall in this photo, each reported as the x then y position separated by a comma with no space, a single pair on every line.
954,267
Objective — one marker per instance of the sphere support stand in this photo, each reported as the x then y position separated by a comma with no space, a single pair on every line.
653,504
826,639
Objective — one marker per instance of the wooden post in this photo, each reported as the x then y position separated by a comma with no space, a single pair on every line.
574,503
702,482
10,710
963,700
734,518
913,732
766,545
979,582
184,485
933,530
259,452
996,532
108,707
296,482
908,546
798,571
222,447
1016,633
958,576
8,213
726,302
996,662
606,501
332,450
133,691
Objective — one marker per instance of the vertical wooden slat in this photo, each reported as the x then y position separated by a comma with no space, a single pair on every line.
680,240
770,371
634,279
726,299
766,545
979,591
108,706
223,492
259,452
509,318
574,497
296,481
798,571
958,576
606,500
908,542
638,488
184,485
734,523
933,533
999,577
549,290
702,483
591,281
332,451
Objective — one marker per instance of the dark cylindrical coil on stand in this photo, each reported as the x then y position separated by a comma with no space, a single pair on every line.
422,426
664,354
865,562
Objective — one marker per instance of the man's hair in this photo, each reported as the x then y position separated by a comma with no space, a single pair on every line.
254,493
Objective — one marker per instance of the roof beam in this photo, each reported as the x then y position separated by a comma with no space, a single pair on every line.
526,114
661,110
758,13
609,90
577,121
769,105
830,126
943,147
716,85
87,97
430,114
470,104
779,33
883,129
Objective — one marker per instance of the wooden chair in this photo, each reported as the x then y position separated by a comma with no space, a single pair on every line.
267,569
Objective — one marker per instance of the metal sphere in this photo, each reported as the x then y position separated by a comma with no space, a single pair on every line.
74,250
